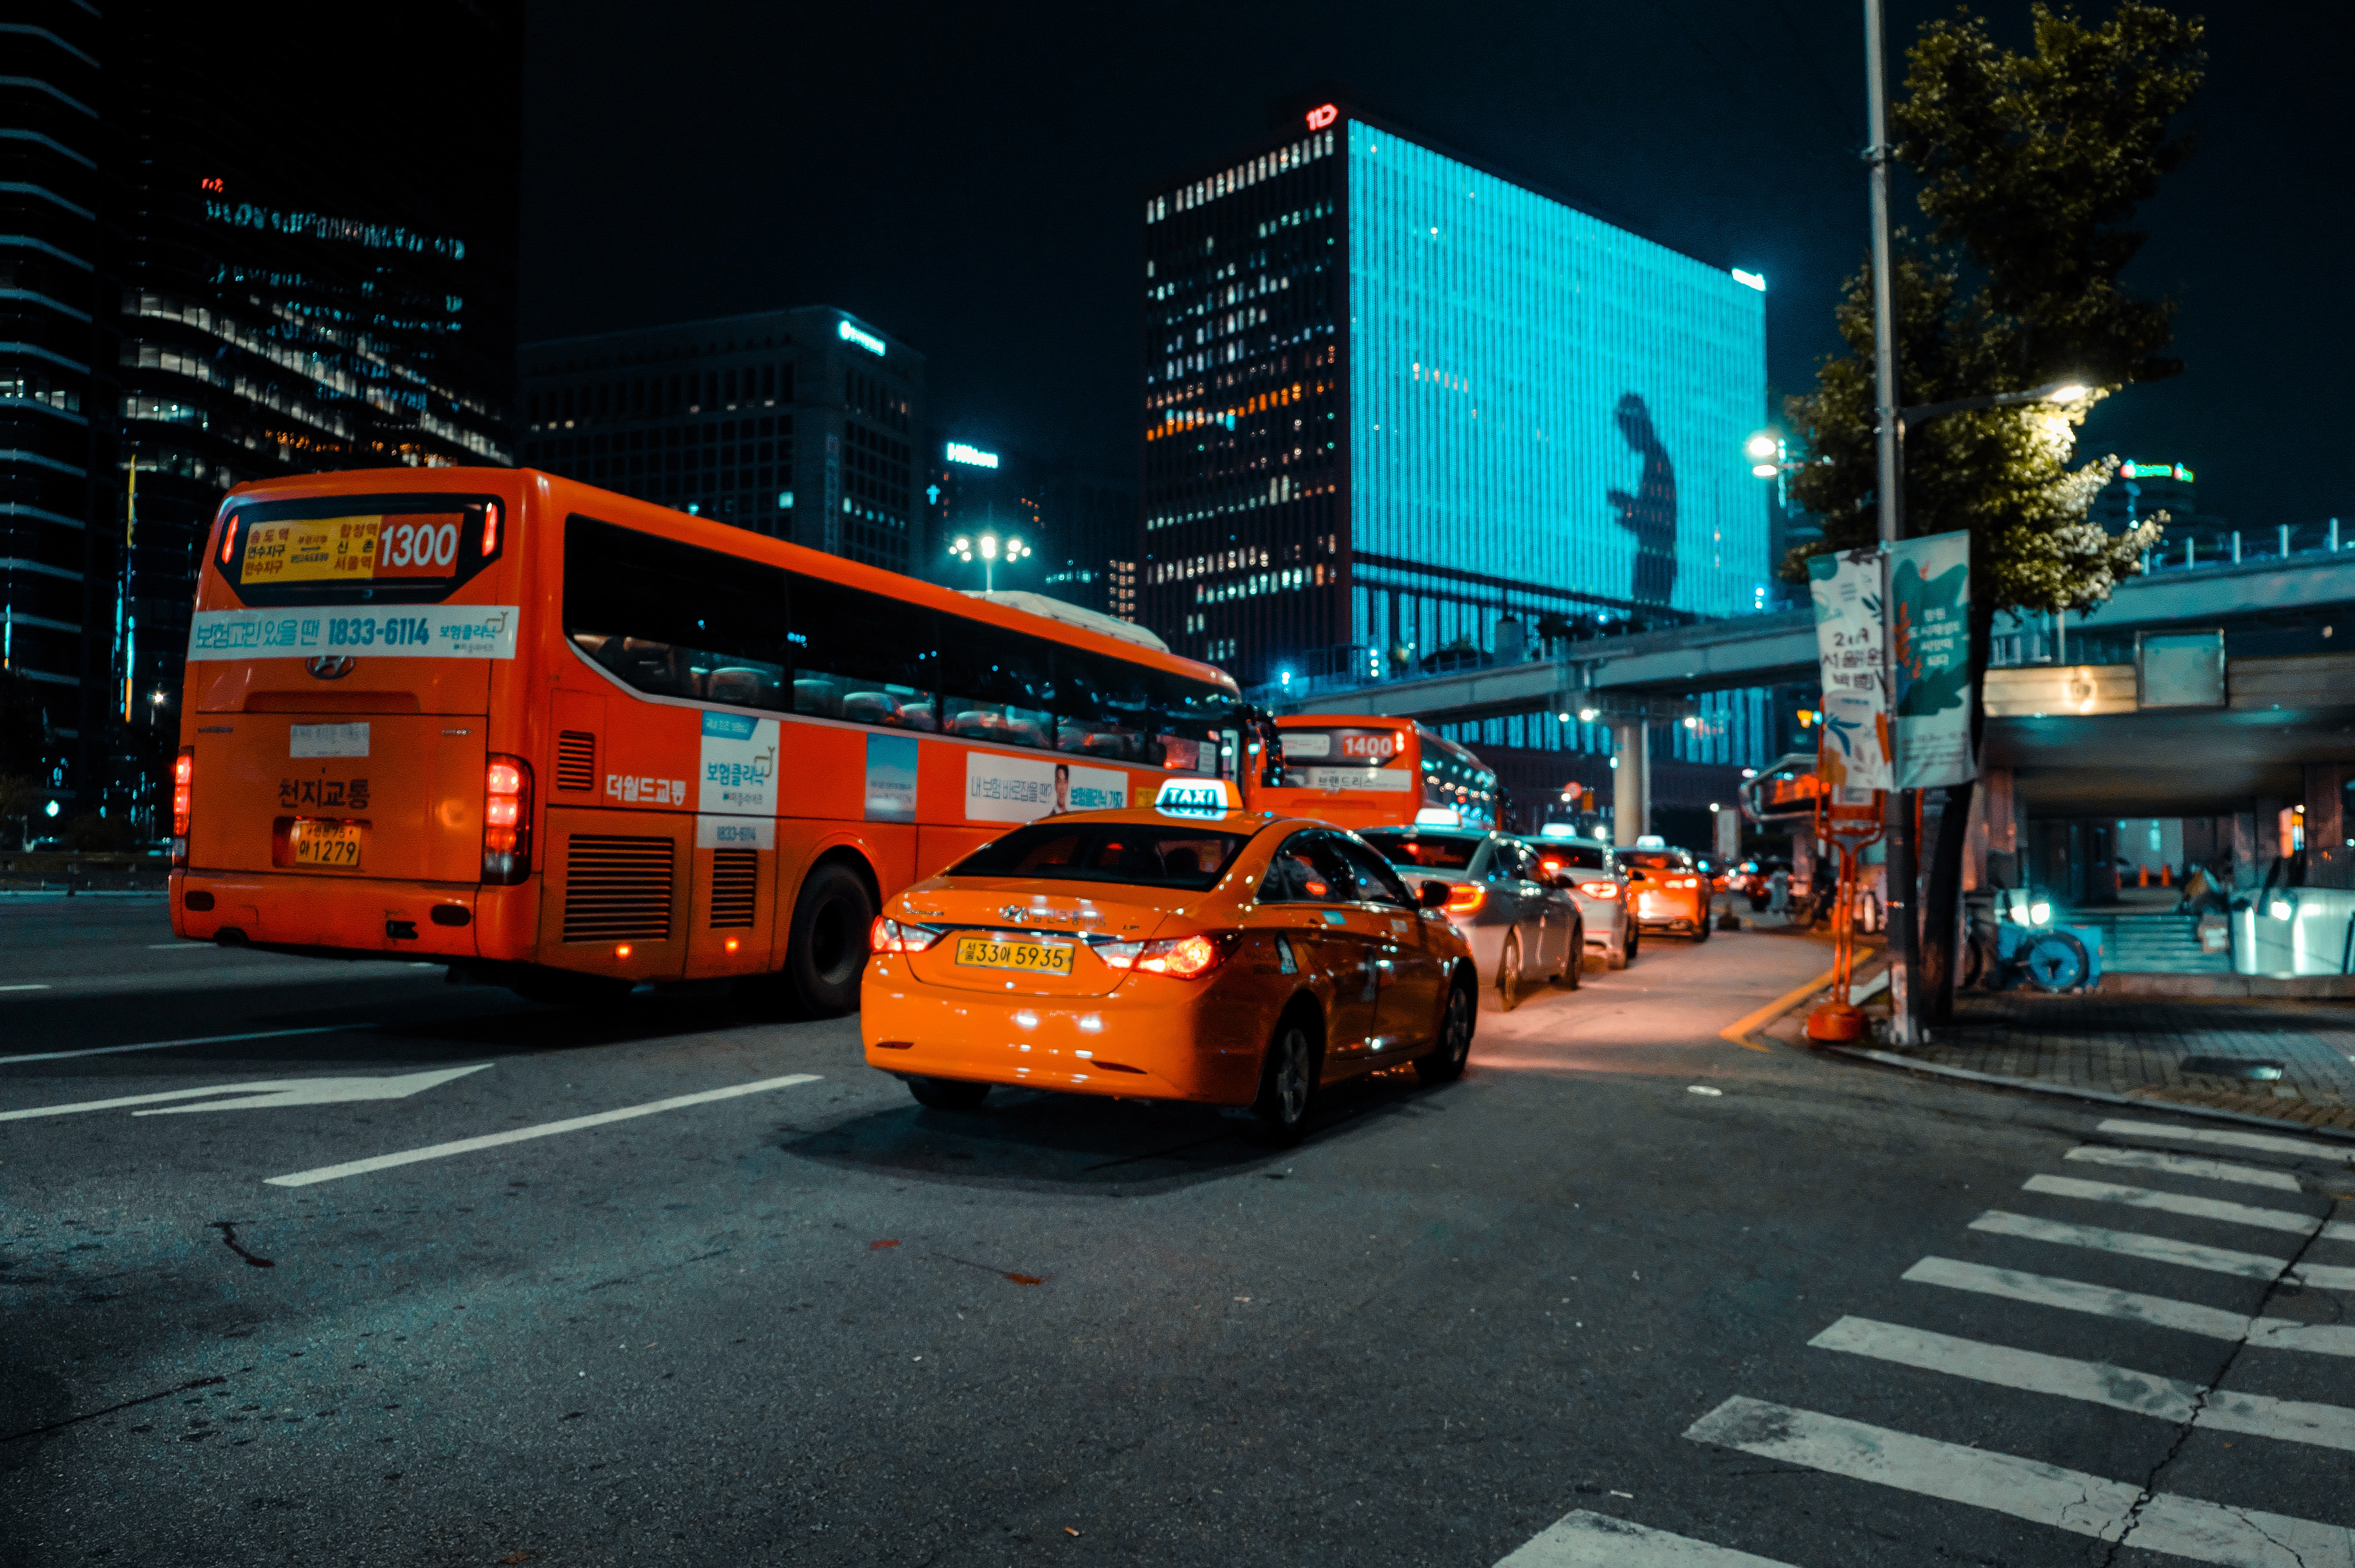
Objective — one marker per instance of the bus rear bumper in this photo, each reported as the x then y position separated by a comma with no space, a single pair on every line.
345,915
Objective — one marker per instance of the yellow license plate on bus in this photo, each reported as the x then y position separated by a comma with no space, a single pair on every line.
335,845
1039,957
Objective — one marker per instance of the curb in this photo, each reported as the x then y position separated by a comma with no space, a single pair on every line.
2105,1097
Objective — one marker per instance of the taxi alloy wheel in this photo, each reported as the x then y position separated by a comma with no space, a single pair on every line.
1508,973
1444,1062
1288,1083
1702,930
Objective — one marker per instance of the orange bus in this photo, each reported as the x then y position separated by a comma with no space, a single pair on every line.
567,741
1365,772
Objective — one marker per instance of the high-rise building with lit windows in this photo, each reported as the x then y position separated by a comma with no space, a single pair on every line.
804,424
1393,398
236,241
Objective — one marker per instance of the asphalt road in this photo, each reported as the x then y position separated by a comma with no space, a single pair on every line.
807,1322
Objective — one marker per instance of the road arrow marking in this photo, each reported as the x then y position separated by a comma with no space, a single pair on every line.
269,1093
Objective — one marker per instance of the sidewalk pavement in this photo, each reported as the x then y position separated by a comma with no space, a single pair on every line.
2141,1045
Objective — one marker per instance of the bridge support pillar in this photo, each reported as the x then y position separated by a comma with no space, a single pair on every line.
1631,782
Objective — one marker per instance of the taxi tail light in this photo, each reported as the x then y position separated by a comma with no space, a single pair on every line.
890,936
1599,889
1182,957
1684,881
184,796
506,819
1465,899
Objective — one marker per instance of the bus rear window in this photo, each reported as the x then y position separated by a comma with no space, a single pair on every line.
347,549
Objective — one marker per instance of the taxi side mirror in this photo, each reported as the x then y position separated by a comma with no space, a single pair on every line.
1635,876
1565,881
1432,894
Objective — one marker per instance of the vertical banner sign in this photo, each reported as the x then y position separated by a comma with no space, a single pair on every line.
1853,752
1930,593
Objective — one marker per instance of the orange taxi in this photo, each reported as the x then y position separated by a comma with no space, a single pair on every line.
1670,890
1189,951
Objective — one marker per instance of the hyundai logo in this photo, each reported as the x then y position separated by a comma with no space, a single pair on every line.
330,666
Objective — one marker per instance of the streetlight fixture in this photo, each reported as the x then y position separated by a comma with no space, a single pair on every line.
991,550
2062,392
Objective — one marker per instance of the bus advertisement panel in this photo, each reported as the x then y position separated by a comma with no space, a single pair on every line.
1377,772
570,741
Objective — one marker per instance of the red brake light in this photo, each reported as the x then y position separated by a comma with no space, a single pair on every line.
184,796
1465,899
490,529
1599,889
890,936
1180,957
228,538
506,820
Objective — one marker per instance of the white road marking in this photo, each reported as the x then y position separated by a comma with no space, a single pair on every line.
24,988
2132,1243
2175,1204
2044,1494
2074,1296
2186,1165
1583,1539
2340,1152
2095,1382
518,1135
192,1040
265,1094
190,945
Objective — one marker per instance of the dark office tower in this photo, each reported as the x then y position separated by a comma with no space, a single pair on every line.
236,241
1392,400
804,424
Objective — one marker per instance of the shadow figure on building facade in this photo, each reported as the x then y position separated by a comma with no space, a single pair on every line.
1650,514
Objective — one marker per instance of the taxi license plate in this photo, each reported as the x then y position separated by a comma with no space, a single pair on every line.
336,845
1039,957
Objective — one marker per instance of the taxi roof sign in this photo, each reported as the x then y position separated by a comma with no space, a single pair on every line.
1196,798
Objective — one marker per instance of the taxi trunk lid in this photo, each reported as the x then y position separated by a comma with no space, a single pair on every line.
986,924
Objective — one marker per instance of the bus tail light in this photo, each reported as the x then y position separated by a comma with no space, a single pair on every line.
1181,957
228,538
490,529
890,936
506,820
184,796
1599,889
1465,899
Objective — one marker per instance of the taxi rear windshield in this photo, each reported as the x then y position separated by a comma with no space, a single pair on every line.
1428,855
1133,855
1585,857
358,550
1656,860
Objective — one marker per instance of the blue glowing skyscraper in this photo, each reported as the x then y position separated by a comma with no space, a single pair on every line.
1393,398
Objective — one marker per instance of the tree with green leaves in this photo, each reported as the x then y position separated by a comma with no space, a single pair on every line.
2030,165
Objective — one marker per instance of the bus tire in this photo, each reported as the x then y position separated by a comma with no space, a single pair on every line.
825,953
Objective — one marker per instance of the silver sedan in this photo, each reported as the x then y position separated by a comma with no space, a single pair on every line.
1523,931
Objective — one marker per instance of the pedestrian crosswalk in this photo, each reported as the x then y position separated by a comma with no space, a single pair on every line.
2134,1226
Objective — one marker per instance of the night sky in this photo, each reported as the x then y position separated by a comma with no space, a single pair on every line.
971,178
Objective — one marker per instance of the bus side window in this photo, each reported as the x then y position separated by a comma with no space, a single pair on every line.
997,685
1100,707
862,657
673,618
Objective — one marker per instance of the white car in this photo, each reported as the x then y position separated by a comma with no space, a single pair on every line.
1523,930
1600,884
